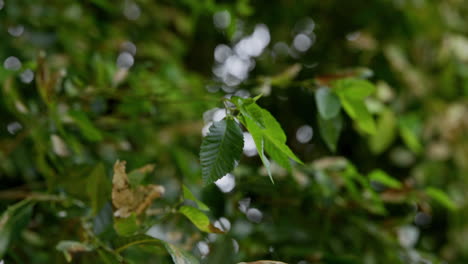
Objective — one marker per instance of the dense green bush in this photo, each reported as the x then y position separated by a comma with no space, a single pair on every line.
196,131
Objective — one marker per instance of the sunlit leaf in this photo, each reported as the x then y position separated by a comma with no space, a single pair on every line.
199,219
221,149
266,132
256,133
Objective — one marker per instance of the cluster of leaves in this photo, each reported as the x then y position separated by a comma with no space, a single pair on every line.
381,178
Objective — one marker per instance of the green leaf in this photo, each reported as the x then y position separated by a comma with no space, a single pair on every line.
126,226
410,126
330,130
88,129
68,248
199,219
385,132
98,187
180,256
354,89
275,141
385,179
328,103
221,149
358,111
256,133
441,198
107,257
266,132
352,93
12,222
278,152
122,243
189,195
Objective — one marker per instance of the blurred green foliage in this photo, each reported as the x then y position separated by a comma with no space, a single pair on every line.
371,95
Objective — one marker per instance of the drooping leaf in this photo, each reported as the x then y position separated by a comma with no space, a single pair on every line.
328,103
180,256
12,222
441,197
259,142
275,135
330,130
221,149
189,195
266,132
199,219
98,187
385,179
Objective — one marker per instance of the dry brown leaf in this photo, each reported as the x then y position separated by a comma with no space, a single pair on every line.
127,200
